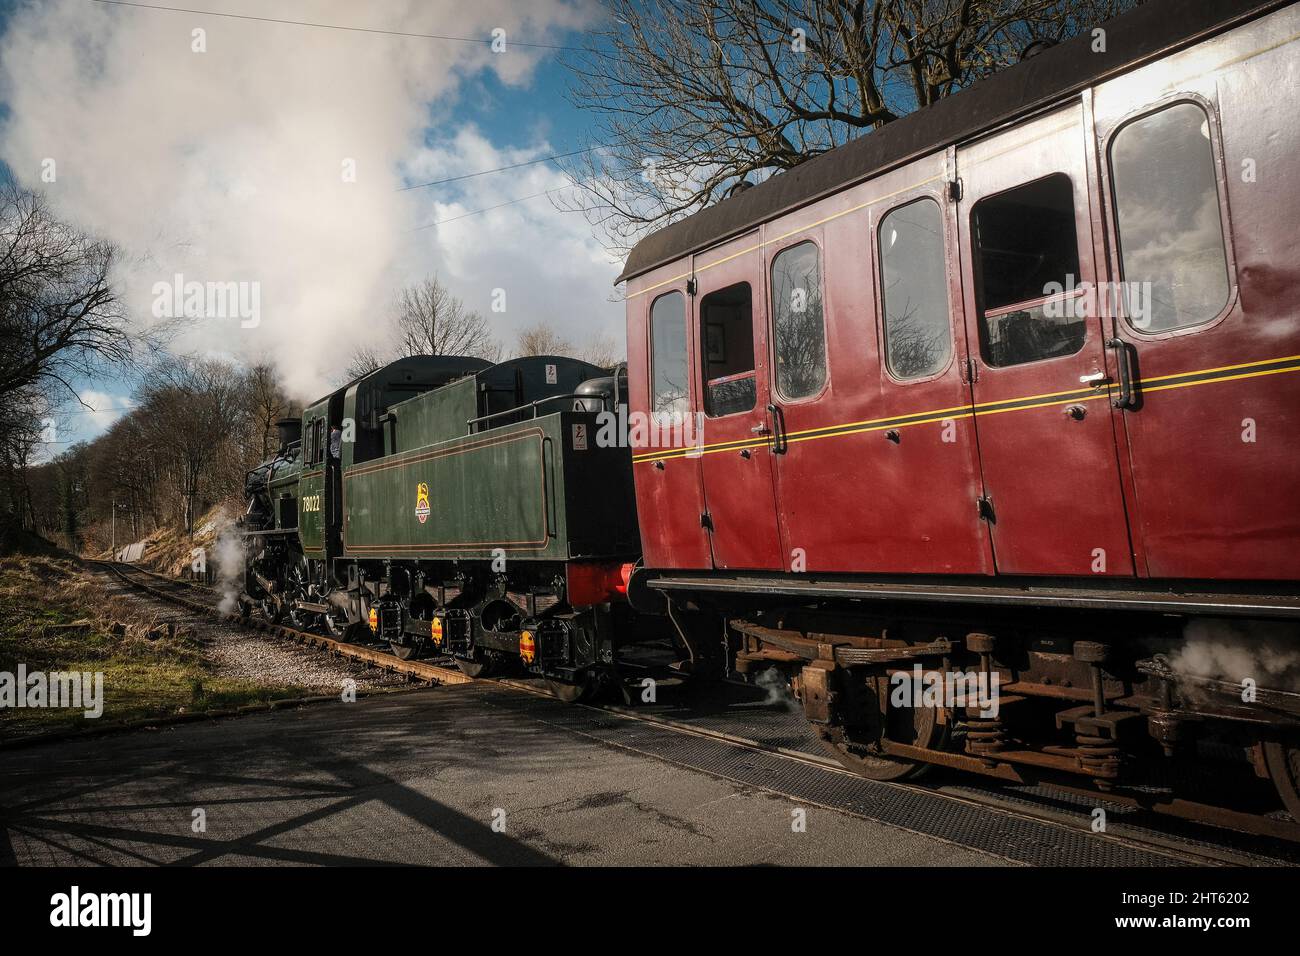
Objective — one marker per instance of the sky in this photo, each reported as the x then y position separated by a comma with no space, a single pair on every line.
278,156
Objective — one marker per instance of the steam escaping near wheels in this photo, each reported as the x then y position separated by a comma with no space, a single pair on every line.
1265,652
229,554
776,685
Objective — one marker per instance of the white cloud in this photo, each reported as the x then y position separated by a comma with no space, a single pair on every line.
545,259
227,165
98,410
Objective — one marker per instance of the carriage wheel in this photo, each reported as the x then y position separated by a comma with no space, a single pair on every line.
857,746
1283,762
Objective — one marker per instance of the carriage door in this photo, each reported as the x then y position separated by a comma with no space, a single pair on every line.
1215,485
736,454
1043,418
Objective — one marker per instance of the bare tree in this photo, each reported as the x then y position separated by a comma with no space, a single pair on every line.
199,426
432,321
46,500
365,359
23,417
267,404
694,96
70,468
601,350
127,468
60,318
192,413
542,338
428,320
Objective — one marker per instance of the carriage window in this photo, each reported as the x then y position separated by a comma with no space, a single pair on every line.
797,322
727,330
914,285
1167,208
1027,252
668,355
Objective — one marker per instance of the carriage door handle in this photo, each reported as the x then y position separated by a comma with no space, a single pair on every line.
1096,379
1124,365
779,444
759,429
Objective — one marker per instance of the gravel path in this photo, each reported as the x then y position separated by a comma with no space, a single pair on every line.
239,654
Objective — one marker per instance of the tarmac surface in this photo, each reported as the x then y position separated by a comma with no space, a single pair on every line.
458,775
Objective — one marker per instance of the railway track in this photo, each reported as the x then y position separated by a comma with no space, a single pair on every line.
1233,838
174,590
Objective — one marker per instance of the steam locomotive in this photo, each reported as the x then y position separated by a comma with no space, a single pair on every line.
449,505
1003,396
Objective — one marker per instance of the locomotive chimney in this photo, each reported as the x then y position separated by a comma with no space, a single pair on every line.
290,430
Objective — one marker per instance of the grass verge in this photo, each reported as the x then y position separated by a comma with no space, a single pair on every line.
54,616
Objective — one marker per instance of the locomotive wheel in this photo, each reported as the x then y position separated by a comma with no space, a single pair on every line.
1283,762
336,626
857,747
271,609
301,620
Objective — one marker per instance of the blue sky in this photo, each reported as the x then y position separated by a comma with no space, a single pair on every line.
517,115
223,166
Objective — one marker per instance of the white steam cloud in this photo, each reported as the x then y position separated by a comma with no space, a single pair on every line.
228,552
1266,652
231,165
772,682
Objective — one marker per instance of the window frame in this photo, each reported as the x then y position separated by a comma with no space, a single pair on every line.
977,276
1111,211
699,365
877,266
651,411
769,290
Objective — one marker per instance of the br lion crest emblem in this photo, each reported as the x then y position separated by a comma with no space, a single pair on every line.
422,502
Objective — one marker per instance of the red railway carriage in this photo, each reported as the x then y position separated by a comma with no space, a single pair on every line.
1036,345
